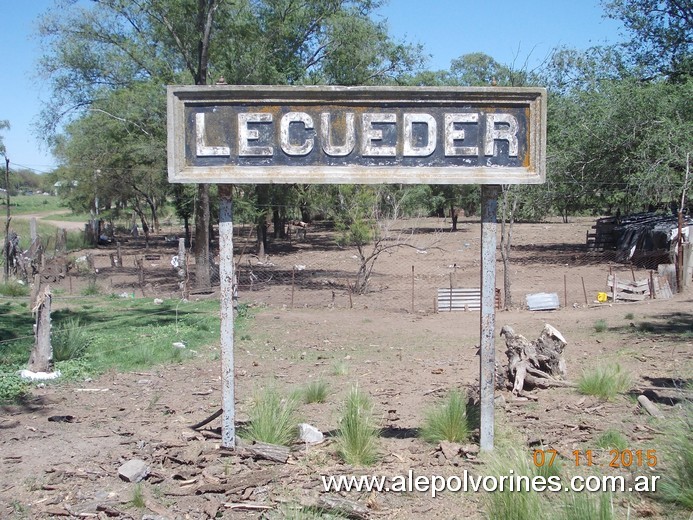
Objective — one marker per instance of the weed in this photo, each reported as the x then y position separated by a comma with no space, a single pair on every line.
92,289
315,392
137,499
629,316
600,326
605,382
272,418
340,368
70,340
612,439
676,485
13,289
12,387
587,506
519,504
447,422
297,512
357,432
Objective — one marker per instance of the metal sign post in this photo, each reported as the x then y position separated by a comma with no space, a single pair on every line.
487,361
357,135
226,274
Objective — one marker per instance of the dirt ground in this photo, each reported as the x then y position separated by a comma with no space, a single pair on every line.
406,361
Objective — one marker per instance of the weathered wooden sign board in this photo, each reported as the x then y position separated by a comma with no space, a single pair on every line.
359,135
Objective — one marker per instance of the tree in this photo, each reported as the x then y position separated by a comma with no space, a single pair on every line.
661,34
4,125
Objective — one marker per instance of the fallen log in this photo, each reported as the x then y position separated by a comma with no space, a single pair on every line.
650,407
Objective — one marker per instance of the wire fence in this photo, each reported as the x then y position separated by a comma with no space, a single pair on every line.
410,265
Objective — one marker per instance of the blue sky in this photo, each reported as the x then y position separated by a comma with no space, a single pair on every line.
513,32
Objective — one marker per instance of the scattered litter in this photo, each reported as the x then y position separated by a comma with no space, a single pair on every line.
158,301
179,344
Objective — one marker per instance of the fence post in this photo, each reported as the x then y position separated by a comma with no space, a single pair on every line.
41,358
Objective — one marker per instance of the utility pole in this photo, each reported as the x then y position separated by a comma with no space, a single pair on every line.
7,219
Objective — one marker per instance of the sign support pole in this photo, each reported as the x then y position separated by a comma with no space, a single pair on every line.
487,354
226,272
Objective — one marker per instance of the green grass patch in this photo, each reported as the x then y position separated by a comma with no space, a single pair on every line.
272,418
518,504
14,289
340,368
612,440
358,434
676,486
449,421
94,334
604,382
587,506
28,204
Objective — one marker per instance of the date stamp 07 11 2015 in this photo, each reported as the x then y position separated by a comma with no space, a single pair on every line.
618,458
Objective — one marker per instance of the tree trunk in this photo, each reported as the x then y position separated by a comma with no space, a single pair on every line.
507,220
202,278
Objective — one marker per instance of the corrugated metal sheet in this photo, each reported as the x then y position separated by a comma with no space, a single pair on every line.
543,302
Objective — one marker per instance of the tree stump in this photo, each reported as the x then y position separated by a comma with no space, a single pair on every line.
537,363
41,358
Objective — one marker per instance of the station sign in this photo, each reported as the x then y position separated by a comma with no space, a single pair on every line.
360,135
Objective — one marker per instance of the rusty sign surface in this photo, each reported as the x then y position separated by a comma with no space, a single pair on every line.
361,135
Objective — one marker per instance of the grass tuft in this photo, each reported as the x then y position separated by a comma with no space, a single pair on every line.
676,485
604,382
315,392
357,438
272,418
600,326
612,439
70,340
448,422
588,506
340,368
518,504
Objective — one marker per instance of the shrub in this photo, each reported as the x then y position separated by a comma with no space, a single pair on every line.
604,382
13,289
357,431
448,422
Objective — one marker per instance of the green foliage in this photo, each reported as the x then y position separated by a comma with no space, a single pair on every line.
612,439
676,485
588,506
340,368
316,392
70,340
138,499
357,435
272,418
604,382
92,289
12,387
14,289
600,326
512,505
449,421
